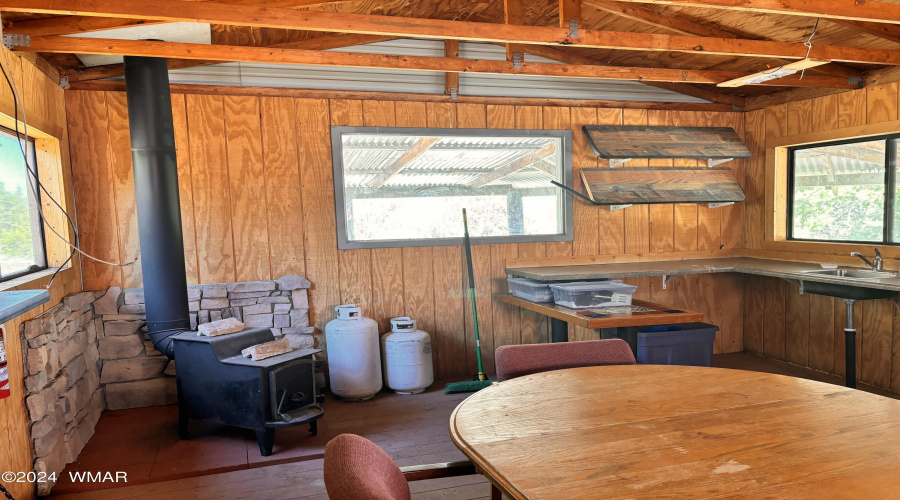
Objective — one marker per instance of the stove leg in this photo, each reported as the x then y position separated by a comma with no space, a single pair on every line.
314,427
849,347
265,439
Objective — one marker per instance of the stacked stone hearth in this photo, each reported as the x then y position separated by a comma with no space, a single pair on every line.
92,352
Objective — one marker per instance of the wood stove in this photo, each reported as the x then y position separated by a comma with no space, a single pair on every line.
215,382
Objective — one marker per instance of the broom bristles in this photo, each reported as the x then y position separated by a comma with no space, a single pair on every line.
469,386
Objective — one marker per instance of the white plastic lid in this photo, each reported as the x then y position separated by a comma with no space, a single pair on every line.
527,281
587,286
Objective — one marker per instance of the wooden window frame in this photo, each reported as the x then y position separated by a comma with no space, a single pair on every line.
777,186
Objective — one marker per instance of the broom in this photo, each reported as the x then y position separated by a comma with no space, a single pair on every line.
480,380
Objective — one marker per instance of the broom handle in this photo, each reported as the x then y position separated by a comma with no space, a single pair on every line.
468,245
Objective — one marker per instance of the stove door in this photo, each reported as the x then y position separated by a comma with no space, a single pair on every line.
291,389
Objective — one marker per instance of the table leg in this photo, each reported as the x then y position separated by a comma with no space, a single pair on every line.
559,330
626,333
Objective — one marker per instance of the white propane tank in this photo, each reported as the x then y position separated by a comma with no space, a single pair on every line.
352,343
406,355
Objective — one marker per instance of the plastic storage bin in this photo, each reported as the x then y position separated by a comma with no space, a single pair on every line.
530,289
582,295
689,344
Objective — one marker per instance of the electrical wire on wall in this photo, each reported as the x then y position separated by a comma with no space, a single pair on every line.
32,177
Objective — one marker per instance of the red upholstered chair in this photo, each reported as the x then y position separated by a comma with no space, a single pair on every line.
357,469
518,360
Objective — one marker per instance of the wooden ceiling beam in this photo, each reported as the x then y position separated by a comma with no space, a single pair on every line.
856,10
172,50
567,57
320,43
569,10
512,15
451,79
74,24
239,15
514,166
424,144
686,26
884,31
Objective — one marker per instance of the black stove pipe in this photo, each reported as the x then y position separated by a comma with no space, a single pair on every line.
157,200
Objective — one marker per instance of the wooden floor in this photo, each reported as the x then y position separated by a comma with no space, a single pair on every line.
412,429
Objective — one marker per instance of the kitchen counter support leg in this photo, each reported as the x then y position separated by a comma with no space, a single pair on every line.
849,347
559,330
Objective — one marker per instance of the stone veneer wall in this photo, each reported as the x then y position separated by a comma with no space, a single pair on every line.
92,352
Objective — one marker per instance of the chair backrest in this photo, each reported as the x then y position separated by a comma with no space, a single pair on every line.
357,469
518,360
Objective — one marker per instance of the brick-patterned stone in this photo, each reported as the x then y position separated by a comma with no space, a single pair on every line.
77,397
292,282
126,370
282,308
120,328
219,303
242,302
133,297
194,306
258,309
282,321
212,292
251,286
194,293
136,309
124,317
258,320
78,301
300,298
120,347
299,317
83,426
299,341
153,392
109,303
274,300
42,403
247,295
75,369
304,330
71,348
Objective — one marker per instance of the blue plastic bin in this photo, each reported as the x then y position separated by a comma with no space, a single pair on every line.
688,344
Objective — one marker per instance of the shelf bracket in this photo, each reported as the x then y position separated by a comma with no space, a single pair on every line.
796,283
712,162
613,208
720,204
615,163
666,279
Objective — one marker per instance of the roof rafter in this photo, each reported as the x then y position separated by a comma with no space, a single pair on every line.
881,30
69,25
239,15
326,42
686,26
514,166
173,50
879,12
423,144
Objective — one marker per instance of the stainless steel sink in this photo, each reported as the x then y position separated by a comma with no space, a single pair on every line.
854,288
854,273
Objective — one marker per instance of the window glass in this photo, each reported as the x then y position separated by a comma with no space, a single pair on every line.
407,187
21,235
839,192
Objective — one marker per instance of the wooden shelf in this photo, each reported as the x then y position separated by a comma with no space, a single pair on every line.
593,319
621,186
619,142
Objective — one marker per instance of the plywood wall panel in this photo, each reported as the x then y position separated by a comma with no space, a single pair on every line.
589,232
637,217
98,228
881,103
318,209
283,195
247,178
825,113
123,186
558,118
212,199
796,326
852,108
754,305
185,188
773,318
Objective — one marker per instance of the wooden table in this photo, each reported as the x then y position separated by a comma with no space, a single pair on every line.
601,318
651,431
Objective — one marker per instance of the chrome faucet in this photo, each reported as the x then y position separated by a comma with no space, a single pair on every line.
876,265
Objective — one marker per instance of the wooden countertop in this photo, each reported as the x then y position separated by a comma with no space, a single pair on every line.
599,318
764,267
18,302
657,431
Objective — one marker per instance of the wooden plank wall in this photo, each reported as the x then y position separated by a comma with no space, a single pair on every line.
46,113
807,330
258,202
